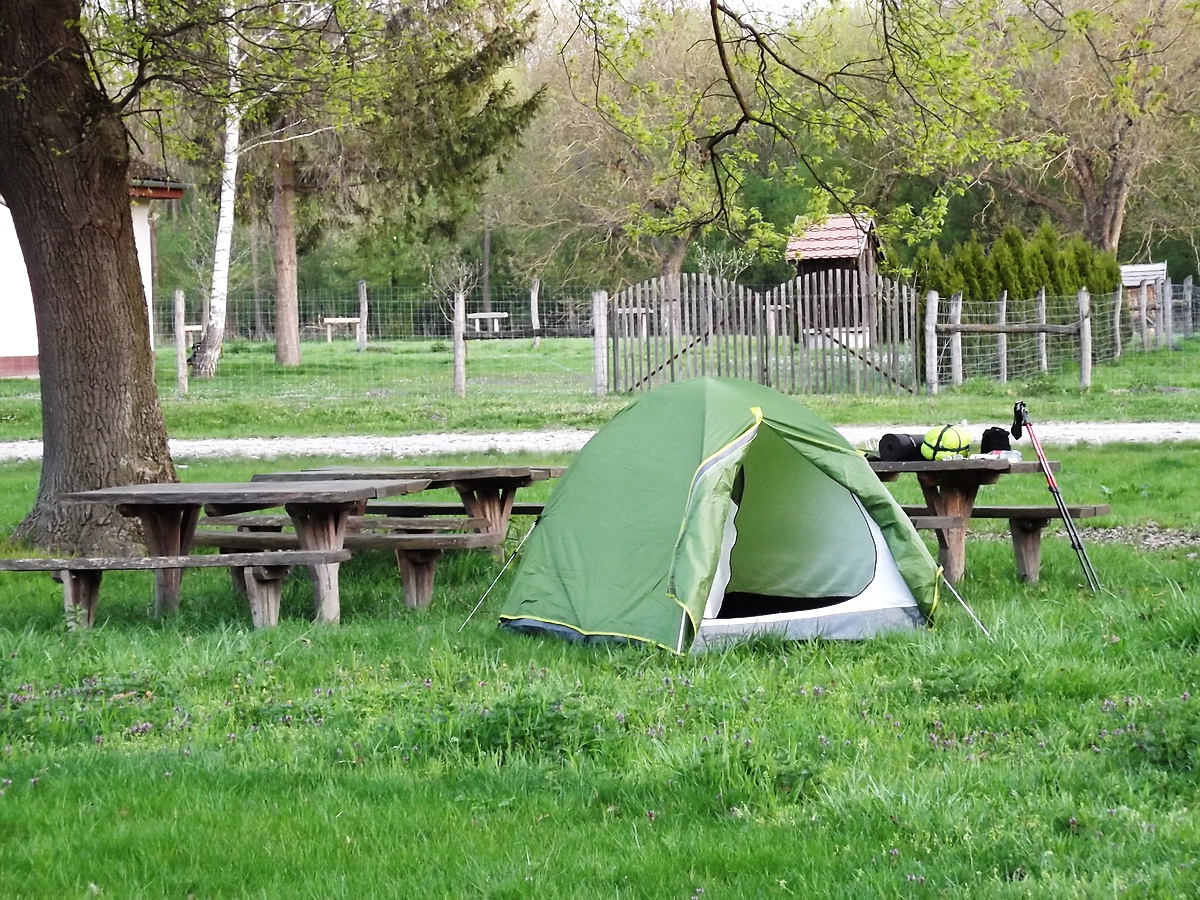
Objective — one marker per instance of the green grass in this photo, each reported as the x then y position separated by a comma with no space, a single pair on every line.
405,387
429,753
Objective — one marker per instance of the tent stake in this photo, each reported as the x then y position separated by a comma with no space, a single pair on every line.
970,612
499,575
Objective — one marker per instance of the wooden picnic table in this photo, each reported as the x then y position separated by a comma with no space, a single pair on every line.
319,510
950,487
487,492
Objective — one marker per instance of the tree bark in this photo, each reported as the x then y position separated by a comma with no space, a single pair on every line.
205,363
65,179
287,302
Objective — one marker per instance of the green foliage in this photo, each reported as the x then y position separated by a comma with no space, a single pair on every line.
448,115
1019,265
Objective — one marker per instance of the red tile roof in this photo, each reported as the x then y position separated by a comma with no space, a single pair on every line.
839,237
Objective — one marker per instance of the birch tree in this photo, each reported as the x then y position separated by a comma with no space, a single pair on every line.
298,57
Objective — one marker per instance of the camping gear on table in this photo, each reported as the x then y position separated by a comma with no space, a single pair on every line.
712,509
1021,421
994,439
946,442
900,447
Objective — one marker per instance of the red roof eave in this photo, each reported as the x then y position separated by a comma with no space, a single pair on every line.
155,192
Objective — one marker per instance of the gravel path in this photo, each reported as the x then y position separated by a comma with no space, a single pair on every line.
568,440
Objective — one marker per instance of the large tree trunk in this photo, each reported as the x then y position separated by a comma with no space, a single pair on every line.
287,302
65,179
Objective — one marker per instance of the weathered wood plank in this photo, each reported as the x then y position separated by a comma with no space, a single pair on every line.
194,561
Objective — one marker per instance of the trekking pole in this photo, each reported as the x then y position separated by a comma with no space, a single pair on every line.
1021,421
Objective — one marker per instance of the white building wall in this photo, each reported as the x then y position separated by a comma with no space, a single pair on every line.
18,329
18,333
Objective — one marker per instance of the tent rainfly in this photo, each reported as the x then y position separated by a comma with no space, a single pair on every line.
714,509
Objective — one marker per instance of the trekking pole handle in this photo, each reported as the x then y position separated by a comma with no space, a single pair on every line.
1020,418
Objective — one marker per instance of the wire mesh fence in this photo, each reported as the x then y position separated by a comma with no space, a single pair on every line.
377,342
389,342
1009,339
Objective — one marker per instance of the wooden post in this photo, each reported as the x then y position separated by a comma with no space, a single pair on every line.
535,319
1043,359
1002,338
931,348
1166,314
1187,306
1117,307
1143,304
181,344
360,327
600,342
460,343
956,359
1085,339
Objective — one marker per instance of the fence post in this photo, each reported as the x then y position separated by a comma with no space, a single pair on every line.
1187,306
1117,307
360,329
956,359
1085,339
181,345
931,348
459,329
600,342
1143,304
1166,336
535,318
1002,337
1043,359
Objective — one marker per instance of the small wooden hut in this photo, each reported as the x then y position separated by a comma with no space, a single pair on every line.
838,261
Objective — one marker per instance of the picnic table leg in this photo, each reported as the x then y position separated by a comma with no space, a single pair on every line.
493,504
1027,547
416,576
264,590
81,591
320,527
167,531
951,500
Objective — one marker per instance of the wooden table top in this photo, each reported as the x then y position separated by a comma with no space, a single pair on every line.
263,494
1022,467
435,475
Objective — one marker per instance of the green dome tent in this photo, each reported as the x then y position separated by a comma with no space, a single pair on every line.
712,509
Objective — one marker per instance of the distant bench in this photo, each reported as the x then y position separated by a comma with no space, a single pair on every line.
417,542
330,322
1025,524
80,576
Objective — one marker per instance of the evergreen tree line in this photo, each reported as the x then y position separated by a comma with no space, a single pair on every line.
1017,264
1022,267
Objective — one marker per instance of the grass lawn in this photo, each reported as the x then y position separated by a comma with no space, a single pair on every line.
405,388
427,753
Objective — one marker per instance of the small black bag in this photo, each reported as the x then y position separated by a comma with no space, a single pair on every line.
994,439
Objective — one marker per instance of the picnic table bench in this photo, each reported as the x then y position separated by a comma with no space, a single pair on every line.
417,552
80,576
430,510
1025,523
318,511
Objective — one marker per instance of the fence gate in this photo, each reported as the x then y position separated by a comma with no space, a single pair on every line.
822,334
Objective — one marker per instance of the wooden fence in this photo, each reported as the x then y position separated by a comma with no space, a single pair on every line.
826,333
1000,328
